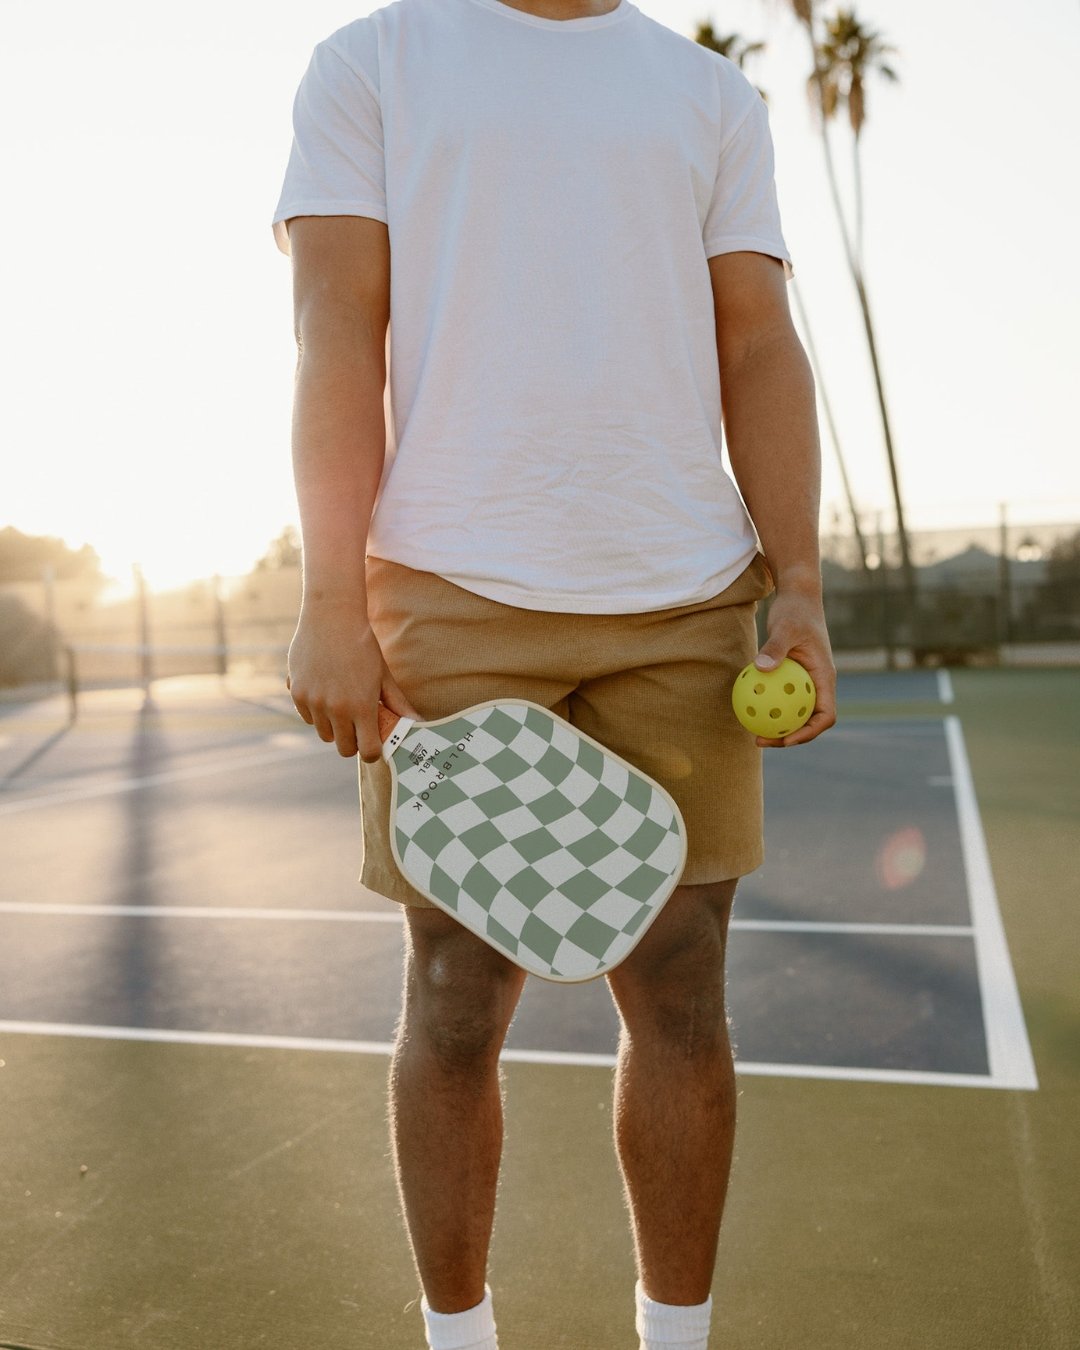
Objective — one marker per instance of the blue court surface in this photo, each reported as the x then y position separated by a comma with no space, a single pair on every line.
188,872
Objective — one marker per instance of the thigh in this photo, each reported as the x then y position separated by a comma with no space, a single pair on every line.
679,963
664,704
448,649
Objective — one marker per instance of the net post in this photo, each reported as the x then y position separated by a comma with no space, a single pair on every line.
220,634
71,681
142,607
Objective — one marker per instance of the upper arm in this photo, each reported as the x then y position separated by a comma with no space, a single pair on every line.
749,301
341,279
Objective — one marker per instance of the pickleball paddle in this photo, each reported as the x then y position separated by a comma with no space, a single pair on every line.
540,840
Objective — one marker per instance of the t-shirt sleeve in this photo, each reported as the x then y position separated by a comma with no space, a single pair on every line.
336,166
743,212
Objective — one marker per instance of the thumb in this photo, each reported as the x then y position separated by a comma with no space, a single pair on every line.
395,700
771,654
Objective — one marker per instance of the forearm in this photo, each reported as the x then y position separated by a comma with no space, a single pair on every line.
338,450
770,425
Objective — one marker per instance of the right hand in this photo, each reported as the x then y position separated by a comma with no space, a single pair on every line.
337,677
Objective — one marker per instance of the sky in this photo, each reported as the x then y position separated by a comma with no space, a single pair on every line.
148,343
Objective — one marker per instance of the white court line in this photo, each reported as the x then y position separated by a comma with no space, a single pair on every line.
202,912
910,1076
382,916
944,686
119,785
1007,1045
893,929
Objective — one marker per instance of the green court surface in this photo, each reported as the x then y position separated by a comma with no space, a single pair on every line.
162,1195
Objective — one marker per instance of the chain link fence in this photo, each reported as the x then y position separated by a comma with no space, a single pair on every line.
993,591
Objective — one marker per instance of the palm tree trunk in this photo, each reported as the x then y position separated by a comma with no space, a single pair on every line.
901,528
886,427
831,423
856,275
858,202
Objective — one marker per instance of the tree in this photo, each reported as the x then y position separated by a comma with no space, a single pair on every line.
737,49
849,53
24,557
27,644
734,47
842,63
284,551
1056,604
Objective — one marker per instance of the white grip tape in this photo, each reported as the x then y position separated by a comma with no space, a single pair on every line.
400,731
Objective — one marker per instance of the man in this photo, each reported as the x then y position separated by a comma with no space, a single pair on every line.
555,222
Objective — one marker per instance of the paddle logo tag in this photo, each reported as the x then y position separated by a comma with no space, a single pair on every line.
430,766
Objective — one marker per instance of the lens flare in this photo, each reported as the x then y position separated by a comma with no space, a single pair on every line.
901,858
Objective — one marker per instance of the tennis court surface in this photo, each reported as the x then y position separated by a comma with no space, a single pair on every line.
197,1001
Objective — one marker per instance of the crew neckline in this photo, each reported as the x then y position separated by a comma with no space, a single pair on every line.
563,25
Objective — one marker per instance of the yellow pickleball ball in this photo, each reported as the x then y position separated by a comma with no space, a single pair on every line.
776,702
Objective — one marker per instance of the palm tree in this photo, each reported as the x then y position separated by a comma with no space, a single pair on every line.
737,49
842,62
734,47
849,53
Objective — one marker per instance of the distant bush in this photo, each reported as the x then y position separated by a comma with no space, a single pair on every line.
27,644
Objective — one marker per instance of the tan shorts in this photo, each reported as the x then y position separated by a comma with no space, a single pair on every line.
654,687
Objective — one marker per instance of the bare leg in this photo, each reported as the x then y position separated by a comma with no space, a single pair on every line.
675,1092
446,1117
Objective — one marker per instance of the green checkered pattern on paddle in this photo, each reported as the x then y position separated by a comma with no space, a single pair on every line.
556,849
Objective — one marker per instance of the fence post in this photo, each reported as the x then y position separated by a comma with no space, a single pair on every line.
886,616
142,609
219,628
71,679
48,578
1004,623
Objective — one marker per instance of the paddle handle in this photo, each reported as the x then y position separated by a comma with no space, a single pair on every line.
388,720
393,728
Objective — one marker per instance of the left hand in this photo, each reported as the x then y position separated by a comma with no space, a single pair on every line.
796,626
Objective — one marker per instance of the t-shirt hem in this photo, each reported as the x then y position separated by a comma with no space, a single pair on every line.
555,602
738,242
372,210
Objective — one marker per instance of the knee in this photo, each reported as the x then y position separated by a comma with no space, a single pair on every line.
682,1024
459,1001
673,999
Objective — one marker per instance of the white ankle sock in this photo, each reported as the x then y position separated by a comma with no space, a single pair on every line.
661,1325
473,1329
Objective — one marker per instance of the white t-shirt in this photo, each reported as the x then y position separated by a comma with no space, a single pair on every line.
552,190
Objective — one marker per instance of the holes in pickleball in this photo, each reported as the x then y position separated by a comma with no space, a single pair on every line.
808,689
774,712
802,711
751,712
789,688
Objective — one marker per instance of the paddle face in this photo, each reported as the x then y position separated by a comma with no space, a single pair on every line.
544,843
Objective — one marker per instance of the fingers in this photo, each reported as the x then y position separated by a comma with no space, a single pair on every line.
821,719
333,721
351,729
390,696
824,715
369,742
808,645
